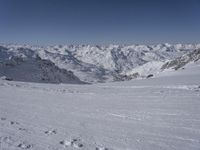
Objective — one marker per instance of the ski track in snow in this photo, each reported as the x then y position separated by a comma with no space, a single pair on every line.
114,116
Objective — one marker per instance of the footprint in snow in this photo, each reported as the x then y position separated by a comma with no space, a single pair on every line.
75,143
24,145
14,123
102,148
11,122
11,142
50,132
23,129
3,118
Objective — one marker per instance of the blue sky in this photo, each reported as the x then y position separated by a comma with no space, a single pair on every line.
99,21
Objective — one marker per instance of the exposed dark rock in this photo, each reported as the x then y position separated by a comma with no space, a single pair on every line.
150,75
183,60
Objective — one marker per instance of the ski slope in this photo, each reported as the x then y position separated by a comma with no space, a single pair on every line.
160,113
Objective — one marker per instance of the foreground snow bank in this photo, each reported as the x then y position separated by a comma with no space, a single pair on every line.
149,114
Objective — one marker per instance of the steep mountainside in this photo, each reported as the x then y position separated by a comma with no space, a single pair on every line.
183,60
25,65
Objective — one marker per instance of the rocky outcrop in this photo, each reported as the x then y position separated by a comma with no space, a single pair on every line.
183,60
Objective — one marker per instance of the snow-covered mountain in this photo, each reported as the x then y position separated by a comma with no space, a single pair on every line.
183,60
87,63
25,65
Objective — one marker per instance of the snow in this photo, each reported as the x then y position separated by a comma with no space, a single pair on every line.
148,68
145,114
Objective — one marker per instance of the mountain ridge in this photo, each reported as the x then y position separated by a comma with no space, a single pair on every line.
94,64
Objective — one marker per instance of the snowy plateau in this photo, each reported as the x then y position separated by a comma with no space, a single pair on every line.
115,97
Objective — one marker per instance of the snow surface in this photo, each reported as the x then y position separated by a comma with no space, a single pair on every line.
159,113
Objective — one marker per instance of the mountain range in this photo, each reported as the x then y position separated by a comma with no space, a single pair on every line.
82,64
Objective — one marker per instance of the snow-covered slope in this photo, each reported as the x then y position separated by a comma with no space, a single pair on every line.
93,63
160,113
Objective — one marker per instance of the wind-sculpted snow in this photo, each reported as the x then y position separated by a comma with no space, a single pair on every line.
89,63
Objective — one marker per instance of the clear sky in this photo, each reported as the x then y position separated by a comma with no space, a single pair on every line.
99,21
